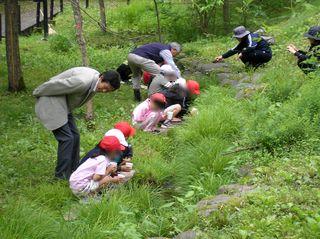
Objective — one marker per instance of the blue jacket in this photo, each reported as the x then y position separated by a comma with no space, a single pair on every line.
151,51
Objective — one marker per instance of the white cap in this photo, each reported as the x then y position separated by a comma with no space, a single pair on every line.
182,82
119,135
167,70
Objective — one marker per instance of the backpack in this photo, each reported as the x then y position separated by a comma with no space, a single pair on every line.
262,33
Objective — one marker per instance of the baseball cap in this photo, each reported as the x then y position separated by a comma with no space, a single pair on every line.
158,97
111,143
125,128
167,70
120,136
193,87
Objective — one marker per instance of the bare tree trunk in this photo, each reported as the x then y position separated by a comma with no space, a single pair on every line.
158,20
226,15
15,77
103,18
83,47
128,2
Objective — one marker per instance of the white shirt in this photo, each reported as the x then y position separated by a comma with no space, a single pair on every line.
168,58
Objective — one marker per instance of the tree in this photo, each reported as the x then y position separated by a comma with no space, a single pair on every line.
103,19
158,20
206,10
15,77
83,46
226,15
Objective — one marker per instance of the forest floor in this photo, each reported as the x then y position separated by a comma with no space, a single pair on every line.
258,131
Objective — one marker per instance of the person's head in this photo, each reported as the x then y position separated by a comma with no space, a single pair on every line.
168,72
111,147
157,102
193,87
125,128
240,33
313,35
108,81
175,48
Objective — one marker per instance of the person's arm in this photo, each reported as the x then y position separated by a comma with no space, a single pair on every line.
302,56
57,87
168,58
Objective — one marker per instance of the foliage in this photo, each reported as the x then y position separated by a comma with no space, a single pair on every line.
60,43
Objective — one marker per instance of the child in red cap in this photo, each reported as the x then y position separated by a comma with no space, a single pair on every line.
148,114
96,172
122,130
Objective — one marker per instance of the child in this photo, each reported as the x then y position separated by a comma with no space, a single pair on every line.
95,173
149,113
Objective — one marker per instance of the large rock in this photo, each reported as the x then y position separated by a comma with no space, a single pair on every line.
207,206
187,235
207,68
235,189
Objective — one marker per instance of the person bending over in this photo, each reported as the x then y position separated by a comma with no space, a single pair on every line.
309,61
162,81
252,50
147,115
148,58
98,171
58,97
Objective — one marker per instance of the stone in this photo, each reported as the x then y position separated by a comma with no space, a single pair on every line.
206,68
245,170
187,235
207,206
235,189
158,238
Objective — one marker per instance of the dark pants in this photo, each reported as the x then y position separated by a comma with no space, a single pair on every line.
256,58
68,149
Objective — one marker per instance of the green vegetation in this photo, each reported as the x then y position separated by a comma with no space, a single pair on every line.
177,170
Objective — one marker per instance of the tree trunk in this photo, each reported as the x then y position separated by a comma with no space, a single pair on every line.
15,77
226,15
158,20
83,47
128,2
103,19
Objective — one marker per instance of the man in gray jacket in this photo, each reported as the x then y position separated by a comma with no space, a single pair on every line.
58,97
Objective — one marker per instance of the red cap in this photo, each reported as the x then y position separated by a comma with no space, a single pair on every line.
193,87
158,97
125,128
111,143
146,78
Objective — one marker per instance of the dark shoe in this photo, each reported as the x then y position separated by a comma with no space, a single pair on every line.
137,95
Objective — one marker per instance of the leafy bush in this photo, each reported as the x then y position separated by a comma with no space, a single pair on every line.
59,43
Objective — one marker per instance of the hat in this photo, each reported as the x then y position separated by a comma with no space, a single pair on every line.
313,33
120,136
159,97
240,32
167,70
193,87
125,128
111,143
182,82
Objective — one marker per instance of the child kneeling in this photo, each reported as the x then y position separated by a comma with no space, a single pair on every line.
96,173
147,115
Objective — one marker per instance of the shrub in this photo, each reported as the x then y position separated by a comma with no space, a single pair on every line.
59,43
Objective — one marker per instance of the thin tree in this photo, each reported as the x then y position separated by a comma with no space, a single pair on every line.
83,46
158,20
15,77
128,2
103,18
226,15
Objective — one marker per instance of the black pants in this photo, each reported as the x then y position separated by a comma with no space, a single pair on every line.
68,149
256,58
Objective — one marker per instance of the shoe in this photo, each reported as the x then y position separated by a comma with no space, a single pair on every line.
137,95
166,124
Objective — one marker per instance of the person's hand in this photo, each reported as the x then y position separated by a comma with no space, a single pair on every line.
125,168
218,59
112,168
117,179
240,56
291,48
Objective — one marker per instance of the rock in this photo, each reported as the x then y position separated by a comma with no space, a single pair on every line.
206,68
158,238
207,206
235,189
245,170
187,235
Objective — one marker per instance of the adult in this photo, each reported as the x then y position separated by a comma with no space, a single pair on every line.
252,50
309,61
58,97
164,80
149,58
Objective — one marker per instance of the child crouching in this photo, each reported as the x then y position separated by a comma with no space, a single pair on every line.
95,173
147,115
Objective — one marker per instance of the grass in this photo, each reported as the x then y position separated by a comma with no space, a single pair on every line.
174,171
